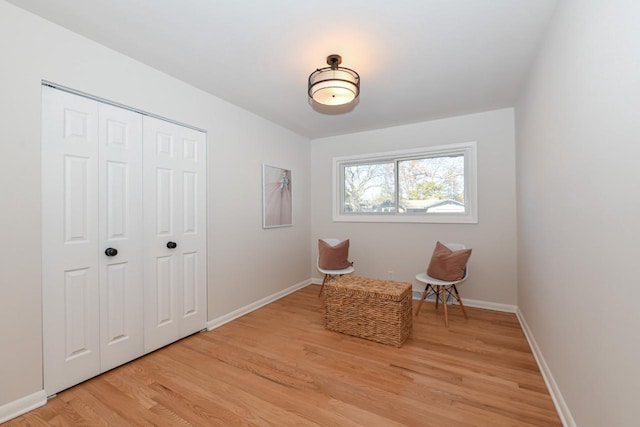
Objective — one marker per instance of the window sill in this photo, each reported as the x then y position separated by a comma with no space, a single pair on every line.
412,219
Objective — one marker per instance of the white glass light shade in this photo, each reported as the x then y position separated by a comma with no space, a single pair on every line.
334,86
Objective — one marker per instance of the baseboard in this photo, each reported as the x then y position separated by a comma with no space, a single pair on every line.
219,321
23,405
558,400
487,305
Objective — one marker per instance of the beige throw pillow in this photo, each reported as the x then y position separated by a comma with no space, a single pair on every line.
447,264
334,257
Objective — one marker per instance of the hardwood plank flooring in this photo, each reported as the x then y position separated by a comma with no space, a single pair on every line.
279,366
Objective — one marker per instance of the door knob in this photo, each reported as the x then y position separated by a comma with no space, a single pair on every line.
172,245
111,252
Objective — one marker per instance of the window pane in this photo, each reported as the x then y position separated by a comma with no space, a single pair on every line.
369,188
432,185
435,184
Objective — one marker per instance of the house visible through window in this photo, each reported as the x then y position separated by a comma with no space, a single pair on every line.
433,184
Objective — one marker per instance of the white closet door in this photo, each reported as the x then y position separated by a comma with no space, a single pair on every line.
124,273
70,241
174,232
120,219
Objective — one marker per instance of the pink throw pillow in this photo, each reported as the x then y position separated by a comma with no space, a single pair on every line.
334,257
447,264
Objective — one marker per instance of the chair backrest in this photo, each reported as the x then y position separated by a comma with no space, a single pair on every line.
331,241
455,246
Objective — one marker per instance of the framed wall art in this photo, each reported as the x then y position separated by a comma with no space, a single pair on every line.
276,197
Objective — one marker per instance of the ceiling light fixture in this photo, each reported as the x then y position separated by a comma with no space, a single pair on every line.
334,85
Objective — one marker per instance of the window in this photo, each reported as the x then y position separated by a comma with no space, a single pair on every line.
431,184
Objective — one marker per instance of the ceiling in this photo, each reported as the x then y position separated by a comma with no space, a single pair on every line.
418,60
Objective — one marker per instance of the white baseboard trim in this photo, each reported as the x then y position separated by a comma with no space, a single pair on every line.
23,405
219,321
487,305
552,386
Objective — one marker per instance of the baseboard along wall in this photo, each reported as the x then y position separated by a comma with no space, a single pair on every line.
23,405
552,386
219,321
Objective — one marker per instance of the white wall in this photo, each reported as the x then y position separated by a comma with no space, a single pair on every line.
578,145
405,248
246,263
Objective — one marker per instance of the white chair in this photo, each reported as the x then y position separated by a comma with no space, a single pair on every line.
443,289
329,274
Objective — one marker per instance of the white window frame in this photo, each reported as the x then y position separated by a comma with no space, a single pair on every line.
470,216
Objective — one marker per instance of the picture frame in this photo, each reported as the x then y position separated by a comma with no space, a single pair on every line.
277,202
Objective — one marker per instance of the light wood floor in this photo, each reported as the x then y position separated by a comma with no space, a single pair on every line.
279,366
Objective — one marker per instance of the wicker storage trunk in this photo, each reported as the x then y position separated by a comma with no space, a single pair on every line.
378,310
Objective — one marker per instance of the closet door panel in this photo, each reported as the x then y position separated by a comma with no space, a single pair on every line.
193,229
164,209
70,241
175,274
117,327
190,295
190,203
120,219
164,290
162,264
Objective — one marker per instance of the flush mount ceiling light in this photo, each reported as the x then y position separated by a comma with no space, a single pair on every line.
334,85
